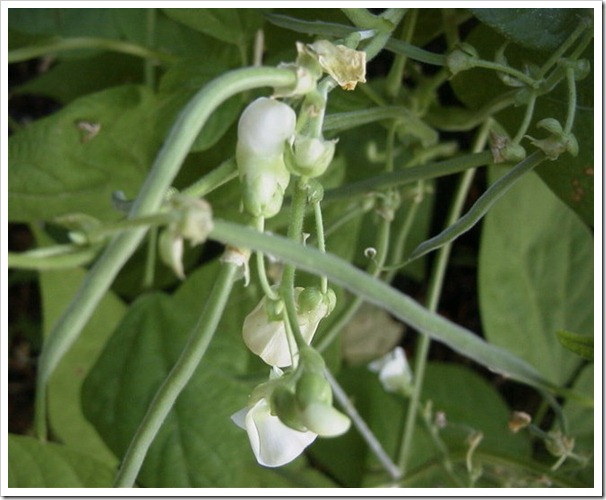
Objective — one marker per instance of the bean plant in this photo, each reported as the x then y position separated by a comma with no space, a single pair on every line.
244,225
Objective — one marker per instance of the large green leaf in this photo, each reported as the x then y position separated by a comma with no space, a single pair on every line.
198,445
234,26
64,22
32,464
54,169
536,277
540,28
73,78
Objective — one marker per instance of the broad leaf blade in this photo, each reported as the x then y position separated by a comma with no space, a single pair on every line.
33,464
536,277
55,167
540,28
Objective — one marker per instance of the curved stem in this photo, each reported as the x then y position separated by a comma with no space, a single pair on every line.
572,100
527,118
164,170
67,44
177,379
260,260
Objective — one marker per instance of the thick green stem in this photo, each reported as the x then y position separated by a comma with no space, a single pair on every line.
164,170
178,377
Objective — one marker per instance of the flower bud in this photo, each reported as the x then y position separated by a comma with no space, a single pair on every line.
263,129
394,372
284,406
464,57
313,388
310,156
347,66
170,245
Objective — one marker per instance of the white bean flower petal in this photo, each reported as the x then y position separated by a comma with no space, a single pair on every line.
268,339
394,372
273,443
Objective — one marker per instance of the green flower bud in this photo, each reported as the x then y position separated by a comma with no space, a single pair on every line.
170,246
309,156
311,388
284,406
552,126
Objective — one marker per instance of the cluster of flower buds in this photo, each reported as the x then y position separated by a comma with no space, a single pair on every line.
558,142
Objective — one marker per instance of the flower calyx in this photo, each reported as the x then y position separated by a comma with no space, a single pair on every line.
462,58
558,142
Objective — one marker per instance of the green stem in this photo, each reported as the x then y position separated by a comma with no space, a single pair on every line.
227,171
527,118
55,257
295,231
363,429
523,77
559,52
260,259
67,44
393,81
435,289
164,170
177,379
150,258
572,100
408,175
320,236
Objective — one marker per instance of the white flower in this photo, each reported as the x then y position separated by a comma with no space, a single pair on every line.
273,443
325,420
394,372
263,129
269,340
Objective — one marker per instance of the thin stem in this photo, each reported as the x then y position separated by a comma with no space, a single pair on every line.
67,44
164,170
572,100
363,429
435,289
191,355
559,52
295,231
321,243
527,118
150,258
523,77
227,171
408,175
396,72
260,259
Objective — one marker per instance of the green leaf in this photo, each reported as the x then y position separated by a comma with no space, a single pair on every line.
535,277
85,76
579,344
234,26
540,28
198,445
64,22
32,464
55,170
